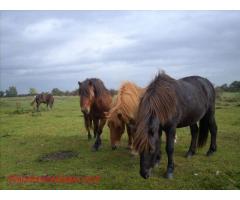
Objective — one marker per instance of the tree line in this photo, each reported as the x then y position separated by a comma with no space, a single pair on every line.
12,92
233,87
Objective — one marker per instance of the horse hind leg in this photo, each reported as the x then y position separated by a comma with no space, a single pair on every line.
213,132
193,145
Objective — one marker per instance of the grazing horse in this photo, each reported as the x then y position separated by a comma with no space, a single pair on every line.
95,100
43,98
166,105
123,113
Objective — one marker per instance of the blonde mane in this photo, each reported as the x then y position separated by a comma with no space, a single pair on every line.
126,102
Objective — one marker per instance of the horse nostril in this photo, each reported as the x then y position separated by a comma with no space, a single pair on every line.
84,110
145,174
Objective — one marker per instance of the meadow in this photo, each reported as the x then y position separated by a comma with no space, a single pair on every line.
26,137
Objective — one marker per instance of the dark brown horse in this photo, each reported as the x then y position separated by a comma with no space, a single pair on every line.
166,105
95,100
43,98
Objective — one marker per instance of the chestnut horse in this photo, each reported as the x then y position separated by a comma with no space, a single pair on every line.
168,104
43,98
95,100
123,113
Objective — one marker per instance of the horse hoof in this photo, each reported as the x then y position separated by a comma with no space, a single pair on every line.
129,148
210,153
157,164
114,147
94,148
89,137
189,154
169,175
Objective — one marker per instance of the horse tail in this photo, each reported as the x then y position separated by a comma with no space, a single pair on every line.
34,100
203,130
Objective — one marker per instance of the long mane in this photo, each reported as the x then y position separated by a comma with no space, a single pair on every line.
99,87
158,101
126,102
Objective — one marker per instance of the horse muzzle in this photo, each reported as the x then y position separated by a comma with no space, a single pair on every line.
145,173
85,110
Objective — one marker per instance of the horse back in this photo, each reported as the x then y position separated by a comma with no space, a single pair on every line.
196,96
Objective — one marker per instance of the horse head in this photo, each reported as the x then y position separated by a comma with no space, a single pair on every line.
87,95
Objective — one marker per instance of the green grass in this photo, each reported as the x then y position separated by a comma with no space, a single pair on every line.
25,136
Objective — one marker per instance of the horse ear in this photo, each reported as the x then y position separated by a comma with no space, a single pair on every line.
79,83
90,83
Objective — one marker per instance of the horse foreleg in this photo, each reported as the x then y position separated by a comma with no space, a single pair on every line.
193,145
159,153
98,141
130,137
87,123
38,104
95,127
170,149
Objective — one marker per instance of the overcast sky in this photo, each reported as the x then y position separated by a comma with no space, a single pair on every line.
47,49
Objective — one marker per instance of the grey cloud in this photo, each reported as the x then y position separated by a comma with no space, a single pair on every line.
58,48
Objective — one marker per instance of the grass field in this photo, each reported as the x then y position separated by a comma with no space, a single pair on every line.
26,136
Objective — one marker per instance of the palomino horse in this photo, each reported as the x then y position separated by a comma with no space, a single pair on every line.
123,112
166,105
43,98
95,100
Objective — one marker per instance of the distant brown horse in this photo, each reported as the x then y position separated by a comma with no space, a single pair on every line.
43,98
123,112
95,100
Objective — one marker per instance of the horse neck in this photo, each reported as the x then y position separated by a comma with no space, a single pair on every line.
129,108
102,102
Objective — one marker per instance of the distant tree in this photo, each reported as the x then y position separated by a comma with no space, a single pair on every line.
11,92
74,92
234,86
57,92
67,93
32,91
224,87
1,93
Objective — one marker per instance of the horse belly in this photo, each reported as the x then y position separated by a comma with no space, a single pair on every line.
191,117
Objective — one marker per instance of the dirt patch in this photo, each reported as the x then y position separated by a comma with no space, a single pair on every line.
5,135
60,155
